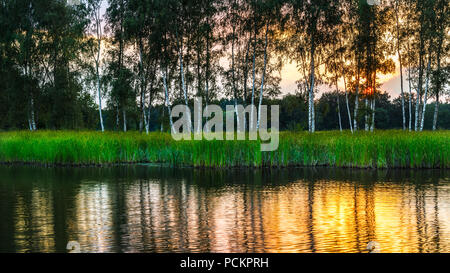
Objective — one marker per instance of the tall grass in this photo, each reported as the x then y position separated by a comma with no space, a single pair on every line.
383,149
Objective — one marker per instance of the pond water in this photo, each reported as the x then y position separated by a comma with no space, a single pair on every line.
160,209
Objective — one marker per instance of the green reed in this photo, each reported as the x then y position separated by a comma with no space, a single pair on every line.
382,149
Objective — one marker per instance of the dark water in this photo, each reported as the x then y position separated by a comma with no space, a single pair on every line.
153,209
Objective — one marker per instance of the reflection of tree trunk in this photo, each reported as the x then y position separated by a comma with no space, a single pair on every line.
310,219
436,225
261,221
420,218
370,212
357,228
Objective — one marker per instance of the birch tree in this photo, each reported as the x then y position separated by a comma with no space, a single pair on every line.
96,28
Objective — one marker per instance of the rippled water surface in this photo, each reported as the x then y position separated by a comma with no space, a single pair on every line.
154,209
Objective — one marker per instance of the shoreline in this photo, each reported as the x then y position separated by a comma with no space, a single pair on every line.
165,165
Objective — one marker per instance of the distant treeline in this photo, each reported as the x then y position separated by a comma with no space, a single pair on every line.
65,65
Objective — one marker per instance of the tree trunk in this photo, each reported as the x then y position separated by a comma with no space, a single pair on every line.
150,101
436,110
311,89
97,66
99,100
372,125
124,120
419,88
425,99
199,86
355,117
252,114
346,93
183,83
162,119
143,84
366,115
233,75
117,117
410,99
401,66
263,75
438,59
245,71
348,106
166,91
339,110
33,122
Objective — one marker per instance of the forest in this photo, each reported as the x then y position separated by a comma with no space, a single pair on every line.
121,65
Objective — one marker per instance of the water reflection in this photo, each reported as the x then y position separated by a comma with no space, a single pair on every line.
152,209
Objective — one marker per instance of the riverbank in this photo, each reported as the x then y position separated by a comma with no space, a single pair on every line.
382,149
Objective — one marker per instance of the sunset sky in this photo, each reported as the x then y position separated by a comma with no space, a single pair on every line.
290,74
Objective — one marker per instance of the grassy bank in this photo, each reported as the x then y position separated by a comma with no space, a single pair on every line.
383,149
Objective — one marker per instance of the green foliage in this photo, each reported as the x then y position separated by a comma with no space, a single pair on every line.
383,149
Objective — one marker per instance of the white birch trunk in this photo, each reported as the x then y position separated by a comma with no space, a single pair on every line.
401,66
425,99
263,76
33,122
372,125
311,93
436,110
124,120
339,111
252,113
355,117
367,115
97,66
410,100
166,91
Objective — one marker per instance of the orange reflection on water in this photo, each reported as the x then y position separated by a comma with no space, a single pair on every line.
177,215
